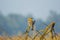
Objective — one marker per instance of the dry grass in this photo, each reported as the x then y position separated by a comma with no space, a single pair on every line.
23,38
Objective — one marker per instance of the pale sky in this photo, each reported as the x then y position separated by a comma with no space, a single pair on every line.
38,8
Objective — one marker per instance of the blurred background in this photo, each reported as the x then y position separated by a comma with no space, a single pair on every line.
14,14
